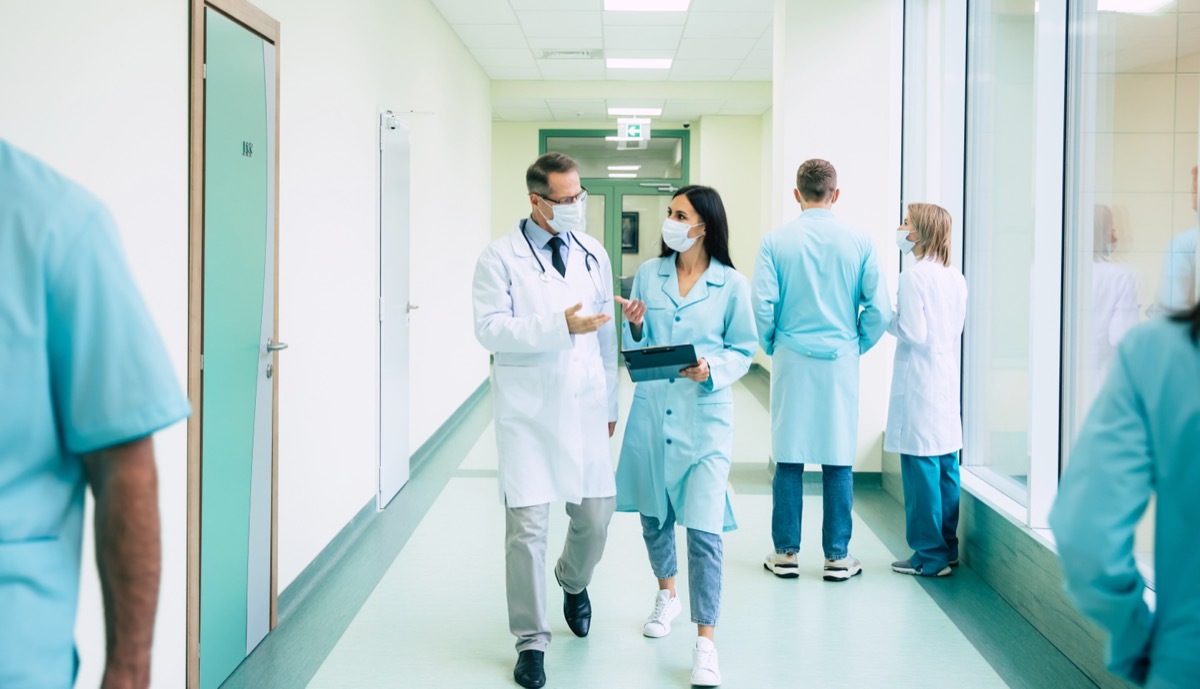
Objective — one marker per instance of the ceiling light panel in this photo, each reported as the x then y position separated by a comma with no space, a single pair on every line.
634,112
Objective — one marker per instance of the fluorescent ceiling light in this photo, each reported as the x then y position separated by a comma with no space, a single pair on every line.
646,5
1132,6
619,168
652,112
633,120
638,63
622,175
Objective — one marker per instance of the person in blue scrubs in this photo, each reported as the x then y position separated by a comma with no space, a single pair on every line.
84,381
675,458
924,422
1140,438
820,303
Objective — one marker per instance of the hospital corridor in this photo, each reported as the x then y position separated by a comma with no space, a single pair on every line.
571,344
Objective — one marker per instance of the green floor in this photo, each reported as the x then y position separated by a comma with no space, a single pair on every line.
437,616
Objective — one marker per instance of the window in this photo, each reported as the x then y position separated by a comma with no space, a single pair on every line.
999,242
1131,211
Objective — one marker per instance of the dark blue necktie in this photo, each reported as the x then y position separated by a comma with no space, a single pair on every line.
556,255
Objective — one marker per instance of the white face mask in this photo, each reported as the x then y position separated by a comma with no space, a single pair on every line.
1109,248
903,241
567,218
675,234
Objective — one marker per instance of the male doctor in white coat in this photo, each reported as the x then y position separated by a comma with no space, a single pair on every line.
543,295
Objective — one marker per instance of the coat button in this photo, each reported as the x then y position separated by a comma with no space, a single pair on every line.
668,441
671,380
677,319
668,412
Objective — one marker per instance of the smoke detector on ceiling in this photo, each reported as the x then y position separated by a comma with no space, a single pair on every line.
572,54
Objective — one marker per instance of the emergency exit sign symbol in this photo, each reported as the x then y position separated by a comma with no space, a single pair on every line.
247,149
633,131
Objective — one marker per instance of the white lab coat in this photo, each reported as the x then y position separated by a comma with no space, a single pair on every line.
553,393
924,417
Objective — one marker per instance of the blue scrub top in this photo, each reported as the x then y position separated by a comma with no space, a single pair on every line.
82,368
1140,438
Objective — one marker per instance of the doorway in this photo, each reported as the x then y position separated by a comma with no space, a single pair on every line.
233,336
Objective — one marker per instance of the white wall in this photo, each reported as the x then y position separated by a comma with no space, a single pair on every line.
819,49
104,98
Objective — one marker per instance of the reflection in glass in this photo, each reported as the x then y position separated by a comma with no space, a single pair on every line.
998,243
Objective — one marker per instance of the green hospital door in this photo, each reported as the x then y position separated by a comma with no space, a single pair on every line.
237,359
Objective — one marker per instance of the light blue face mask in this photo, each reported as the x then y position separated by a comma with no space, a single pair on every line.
568,218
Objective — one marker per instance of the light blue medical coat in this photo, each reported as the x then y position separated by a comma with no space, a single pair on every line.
819,302
82,368
1141,437
679,439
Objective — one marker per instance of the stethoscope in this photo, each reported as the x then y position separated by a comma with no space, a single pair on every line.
588,260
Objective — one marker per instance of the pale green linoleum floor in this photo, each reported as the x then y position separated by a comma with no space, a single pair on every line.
437,618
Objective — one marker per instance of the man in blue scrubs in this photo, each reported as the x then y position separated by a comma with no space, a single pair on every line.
84,382
820,302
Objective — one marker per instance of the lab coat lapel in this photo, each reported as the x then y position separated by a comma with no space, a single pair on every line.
670,278
713,275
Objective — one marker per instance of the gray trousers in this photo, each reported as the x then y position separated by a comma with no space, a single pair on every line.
525,557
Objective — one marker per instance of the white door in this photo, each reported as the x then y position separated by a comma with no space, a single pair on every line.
394,307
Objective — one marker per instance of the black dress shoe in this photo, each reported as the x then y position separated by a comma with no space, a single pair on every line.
578,611
529,671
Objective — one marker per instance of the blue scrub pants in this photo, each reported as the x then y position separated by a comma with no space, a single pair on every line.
931,494
788,505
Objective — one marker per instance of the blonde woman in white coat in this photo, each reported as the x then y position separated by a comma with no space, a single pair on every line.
924,424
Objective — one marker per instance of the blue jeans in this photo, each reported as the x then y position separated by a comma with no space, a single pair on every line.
705,553
931,494
838,492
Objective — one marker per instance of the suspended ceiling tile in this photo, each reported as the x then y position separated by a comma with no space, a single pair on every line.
561,24
588,70
690,109
524,114
744,6
542,44
504,57
476,11
752,75
487,36
621,38
575,108
758,61
725,25
704,70
645,18
578,5
715,48
638,74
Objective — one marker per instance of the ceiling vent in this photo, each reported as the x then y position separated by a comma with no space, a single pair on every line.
572,54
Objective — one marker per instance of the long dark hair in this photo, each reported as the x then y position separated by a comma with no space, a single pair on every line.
711,210
1192,317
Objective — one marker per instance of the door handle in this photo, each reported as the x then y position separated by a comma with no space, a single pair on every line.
273,346
412,307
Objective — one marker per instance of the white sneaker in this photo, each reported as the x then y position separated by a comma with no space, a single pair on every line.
782,565
666,608
705,672
843,569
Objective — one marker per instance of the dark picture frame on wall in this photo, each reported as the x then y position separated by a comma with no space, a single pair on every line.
629,232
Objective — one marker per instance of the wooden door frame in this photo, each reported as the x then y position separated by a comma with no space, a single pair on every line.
258,22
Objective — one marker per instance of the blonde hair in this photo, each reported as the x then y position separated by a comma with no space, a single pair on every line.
932,224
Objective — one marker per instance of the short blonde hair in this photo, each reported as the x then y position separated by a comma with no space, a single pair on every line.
933,224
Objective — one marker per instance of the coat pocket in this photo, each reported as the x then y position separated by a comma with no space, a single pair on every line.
517,391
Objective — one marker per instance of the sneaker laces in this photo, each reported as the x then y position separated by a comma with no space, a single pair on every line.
706,657
660,607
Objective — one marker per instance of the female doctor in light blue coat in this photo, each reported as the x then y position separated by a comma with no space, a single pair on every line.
1140,439
678,446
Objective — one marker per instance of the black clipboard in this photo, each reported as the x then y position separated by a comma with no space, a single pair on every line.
658,363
